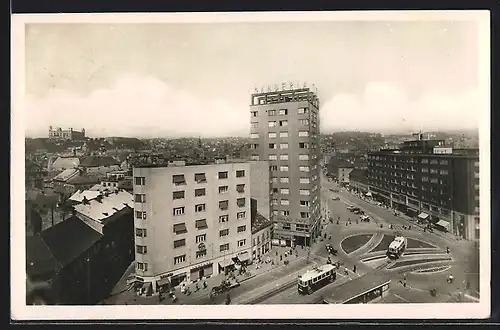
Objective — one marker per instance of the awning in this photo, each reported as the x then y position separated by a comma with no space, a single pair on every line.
200,177
443,223
226,262
369,194
201,224
423,215
178,179
244,256
180,227
162,281
205,265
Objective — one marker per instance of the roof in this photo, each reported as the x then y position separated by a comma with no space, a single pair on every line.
88,194
125,184
67,174
66,162
40,262
396,242
95,161
38,197
260,222
355,287
311,273
69,239
100,187
83,179
109,205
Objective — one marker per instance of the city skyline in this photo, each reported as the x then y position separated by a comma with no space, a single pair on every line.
370,75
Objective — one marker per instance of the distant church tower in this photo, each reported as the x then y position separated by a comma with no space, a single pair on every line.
200,151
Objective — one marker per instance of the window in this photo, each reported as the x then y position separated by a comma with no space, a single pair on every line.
141,249
140,180
425,170
425,179
179,243
303,145
200,208
272,145
283,112
287,226
140,198
180,228
223,175
255,157
271,112
302,111
272,135
140,214
443,172
272,124
178,180
303,157
283,145
241,215
305,192
304,215
274,190
254,135
304,121
305,180
178,194
304,168
223,232
254,125
201,224
241,229
283,123
179,259
284,168
285,213
242,242
273,168
304,203
223,218
254,146
285,202
142,266
425,161
200,178
434,180
139,232
274,180
283,134
283,157
434,161
433,171
201,254
303,133
224,247
223,205
199,192
241,202
240,188
284,191
223,189
443,162
254,113
284,180
274,202
240,173
179,210
273,157
201,238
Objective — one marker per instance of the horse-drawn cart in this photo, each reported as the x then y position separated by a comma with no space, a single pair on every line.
225,286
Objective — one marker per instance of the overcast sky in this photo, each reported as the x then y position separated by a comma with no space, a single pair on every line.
195,79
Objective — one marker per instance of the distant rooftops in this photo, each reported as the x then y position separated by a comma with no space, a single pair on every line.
187,164
94,161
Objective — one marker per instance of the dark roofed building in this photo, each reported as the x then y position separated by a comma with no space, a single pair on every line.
358,180
262,233
41,265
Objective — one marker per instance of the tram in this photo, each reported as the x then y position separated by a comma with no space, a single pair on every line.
397,247
316,278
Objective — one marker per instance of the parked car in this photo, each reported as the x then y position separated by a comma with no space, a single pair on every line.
330,249
358,211
365,218
335,198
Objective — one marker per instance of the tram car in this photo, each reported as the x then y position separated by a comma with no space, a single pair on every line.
397,247
316,278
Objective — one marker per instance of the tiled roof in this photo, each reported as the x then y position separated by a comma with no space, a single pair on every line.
88,194
259,222
67,174
66,162
93,161
40,262
69,239
100,210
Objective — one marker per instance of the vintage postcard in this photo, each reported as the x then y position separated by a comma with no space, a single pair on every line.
256,165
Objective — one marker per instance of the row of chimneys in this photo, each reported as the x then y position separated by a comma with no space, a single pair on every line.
99,197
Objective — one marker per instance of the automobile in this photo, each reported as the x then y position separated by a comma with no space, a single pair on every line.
330,249
335,198
365,218
358,211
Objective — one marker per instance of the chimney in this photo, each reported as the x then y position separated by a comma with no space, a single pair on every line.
99,199
85,201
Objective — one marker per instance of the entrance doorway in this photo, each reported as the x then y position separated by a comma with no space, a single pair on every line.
201,273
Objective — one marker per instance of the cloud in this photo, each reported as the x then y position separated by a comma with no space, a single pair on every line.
384,107
149,107
136,106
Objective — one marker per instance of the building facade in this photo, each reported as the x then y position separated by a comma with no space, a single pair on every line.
285,131
343,174
191,221
424,177
66,134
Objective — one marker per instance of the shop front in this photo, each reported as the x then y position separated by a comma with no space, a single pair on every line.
202,271
226,265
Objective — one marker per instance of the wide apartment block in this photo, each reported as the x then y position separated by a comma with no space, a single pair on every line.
191,221
285,132
430,180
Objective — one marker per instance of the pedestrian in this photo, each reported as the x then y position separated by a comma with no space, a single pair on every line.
354,269
281,257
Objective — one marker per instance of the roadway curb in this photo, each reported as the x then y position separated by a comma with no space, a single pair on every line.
270,293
